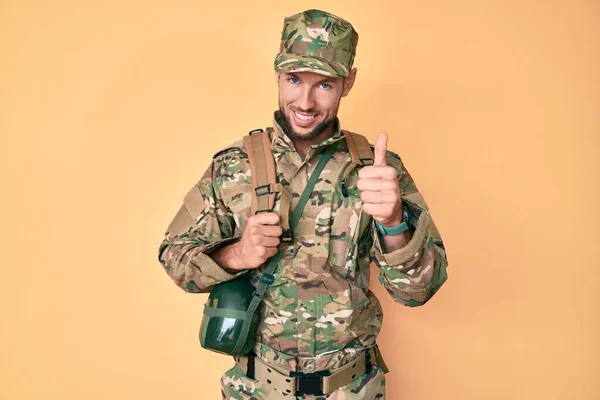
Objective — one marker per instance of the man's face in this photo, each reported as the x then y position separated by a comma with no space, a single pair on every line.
309,102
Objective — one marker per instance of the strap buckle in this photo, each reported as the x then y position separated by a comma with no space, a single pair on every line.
254,131
263,190
286,236
309,383
366,161
267,278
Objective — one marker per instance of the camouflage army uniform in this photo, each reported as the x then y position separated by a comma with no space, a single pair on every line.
319,312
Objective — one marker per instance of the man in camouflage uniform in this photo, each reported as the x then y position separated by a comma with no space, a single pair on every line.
319,313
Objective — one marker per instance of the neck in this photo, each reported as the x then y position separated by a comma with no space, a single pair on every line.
303,146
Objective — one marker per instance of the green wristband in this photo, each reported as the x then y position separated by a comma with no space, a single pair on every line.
394,230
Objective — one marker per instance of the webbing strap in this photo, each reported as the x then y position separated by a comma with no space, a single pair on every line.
284,214
262,166
224,313
360,151
264,179
267,278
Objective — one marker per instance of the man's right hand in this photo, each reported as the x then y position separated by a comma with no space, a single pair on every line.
259,242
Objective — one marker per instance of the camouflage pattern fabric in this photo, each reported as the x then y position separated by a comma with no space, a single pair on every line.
319,311
317,41
237,386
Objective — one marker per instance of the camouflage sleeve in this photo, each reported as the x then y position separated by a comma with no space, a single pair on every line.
201,225
414,273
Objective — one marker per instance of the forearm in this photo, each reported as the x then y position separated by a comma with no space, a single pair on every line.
395,242
414,272
192,268
417,280
228,258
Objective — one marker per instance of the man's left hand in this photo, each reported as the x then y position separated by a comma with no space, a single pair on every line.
378,185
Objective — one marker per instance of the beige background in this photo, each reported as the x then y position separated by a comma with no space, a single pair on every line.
110,111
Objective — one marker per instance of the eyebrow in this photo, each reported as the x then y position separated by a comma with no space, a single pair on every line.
327,79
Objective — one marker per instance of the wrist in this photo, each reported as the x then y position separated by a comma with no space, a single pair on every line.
389,224
234,257
394,227
397,220
228,258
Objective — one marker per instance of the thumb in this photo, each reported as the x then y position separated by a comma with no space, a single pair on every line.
380,149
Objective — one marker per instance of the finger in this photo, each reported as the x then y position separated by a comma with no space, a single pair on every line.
270,230
264,252
380,149
271,251
378,171
376,185
268,241
371,209
266,218
377,210
378,197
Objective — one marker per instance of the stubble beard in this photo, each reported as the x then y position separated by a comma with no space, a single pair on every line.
295,136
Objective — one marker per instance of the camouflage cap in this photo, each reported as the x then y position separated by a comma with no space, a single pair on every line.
317,41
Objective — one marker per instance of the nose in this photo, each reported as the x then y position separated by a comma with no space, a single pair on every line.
306,101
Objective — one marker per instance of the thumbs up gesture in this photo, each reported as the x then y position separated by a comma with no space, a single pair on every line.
379,190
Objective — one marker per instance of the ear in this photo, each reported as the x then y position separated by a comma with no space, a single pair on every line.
349,82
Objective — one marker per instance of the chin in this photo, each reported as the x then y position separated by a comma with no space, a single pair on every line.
300,130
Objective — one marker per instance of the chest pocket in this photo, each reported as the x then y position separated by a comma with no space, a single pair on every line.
346,228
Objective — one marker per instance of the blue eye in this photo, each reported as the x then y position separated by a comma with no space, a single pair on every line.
325,86
294,80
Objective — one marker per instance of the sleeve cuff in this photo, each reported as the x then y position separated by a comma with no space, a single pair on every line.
400,256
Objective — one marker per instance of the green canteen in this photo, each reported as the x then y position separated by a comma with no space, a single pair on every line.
224,314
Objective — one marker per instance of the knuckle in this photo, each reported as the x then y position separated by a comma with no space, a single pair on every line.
271,218
261,252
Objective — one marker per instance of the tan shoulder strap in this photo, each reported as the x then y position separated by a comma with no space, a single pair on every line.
360,151
262,166
264,180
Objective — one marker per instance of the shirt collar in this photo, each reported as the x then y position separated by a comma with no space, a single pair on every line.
281,142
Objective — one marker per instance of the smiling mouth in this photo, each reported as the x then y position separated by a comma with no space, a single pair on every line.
304,117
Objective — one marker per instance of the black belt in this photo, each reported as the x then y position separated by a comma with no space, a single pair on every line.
307,383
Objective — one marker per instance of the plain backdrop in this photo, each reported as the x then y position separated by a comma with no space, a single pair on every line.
110,111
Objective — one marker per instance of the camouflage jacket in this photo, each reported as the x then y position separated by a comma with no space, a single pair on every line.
320,301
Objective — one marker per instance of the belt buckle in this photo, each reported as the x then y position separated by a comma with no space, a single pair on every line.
309,383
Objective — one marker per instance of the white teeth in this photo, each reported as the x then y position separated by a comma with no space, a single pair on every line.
304,117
